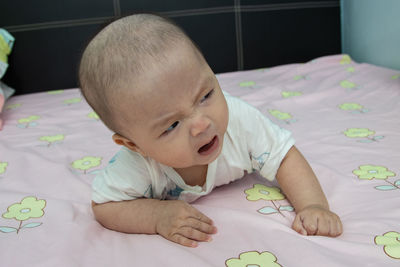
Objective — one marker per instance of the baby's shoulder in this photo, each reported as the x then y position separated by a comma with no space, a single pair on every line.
127,159
241,113
125,154
127,163
238,106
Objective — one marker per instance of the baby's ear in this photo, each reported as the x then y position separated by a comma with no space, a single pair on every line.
123,141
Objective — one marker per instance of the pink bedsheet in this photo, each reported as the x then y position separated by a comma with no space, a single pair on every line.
344,116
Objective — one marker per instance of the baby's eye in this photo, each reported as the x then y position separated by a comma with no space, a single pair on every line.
208,95
170,128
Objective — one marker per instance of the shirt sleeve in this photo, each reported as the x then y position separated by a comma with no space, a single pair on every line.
125,178
267,142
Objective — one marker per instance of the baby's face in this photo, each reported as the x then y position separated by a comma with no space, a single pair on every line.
181,113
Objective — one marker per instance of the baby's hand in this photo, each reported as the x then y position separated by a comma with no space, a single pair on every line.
316,220
181,223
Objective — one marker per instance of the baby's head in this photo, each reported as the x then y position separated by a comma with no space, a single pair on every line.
118,56
149,84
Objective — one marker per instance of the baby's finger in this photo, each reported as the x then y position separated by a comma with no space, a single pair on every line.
184,241
336,228
311,225
201,226
340,226
298,226
201,217
324,226
194,234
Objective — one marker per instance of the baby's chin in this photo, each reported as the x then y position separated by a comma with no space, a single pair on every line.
198,162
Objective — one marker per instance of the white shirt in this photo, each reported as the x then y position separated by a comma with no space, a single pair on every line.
251,143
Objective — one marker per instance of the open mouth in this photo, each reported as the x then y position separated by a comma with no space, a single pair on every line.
208,148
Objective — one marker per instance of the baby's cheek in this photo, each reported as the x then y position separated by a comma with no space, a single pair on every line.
179,156
224,116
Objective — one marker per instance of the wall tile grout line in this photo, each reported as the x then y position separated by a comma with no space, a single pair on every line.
98,20
175,13
198,11
56,24
288,6
239,37
237,9
117,8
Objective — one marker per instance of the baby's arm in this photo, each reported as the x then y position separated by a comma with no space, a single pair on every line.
303,190
175,220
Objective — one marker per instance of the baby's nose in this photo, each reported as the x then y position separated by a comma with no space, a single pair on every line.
200,124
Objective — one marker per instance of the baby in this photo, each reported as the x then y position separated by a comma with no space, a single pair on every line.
181,136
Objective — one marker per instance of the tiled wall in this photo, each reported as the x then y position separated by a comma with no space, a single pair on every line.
232,34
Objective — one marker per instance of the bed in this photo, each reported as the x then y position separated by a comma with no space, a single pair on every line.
343,115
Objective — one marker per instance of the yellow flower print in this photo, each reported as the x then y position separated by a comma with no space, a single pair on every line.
260,191
350,106
3,166
370,172
253,258
300,77
29,207
13,106
86,163
280,115
286,117
345,60
347,84
353,107
391,244
394,77
28,122
93,115
52,138
29,119
247,84
287,94
351,69
358,132
73,100
55,92
263,192
363,132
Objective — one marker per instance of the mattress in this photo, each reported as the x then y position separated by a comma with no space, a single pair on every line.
343,115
